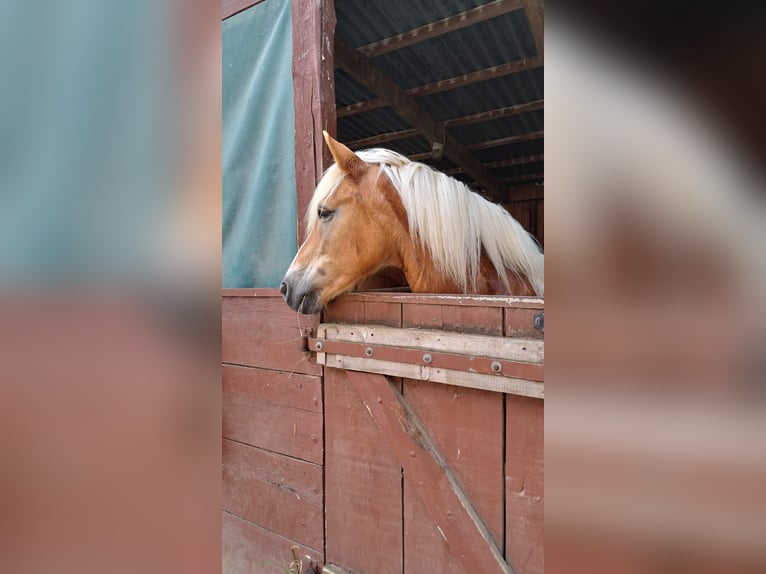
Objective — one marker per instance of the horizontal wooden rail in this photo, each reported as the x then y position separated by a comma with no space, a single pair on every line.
501,364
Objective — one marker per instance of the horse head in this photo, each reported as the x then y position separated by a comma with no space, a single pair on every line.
353,222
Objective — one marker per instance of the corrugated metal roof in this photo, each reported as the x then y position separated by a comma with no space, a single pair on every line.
500,40
363,21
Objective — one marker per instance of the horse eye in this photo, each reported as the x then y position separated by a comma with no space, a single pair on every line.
323,213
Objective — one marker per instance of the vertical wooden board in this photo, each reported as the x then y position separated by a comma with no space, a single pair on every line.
520,322
249,548
264,332
344,311
524,484
276,411
280,493
379,313
363,491
464,319
313,95
466,426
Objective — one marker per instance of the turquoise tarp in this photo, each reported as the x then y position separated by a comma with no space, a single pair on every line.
259,196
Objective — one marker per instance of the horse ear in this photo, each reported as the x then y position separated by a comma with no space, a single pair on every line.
350,163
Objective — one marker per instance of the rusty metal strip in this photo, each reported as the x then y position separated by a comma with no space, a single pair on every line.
429,476
435,359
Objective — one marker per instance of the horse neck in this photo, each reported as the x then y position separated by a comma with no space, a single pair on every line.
422,276
421,273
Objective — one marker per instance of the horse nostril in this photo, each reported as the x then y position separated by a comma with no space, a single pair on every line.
283,289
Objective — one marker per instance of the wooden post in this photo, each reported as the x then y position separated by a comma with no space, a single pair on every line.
313,95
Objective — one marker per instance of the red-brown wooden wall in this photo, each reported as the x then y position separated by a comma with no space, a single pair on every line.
345,500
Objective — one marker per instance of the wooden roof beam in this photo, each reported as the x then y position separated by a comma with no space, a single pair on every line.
381,138
440,27
450,84
502,163
410,111
507,140
495,114
535,10
527,177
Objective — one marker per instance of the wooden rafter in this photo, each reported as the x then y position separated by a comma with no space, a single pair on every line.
502,163
506,140
364,72
440,27
527,177
495,114
535,14
381,138
515,161
450,83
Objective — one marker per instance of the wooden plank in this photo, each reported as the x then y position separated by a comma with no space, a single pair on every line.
439,299
440,27
507,140
493,383
519,322
490,73
535,14
515,161
477,320
451,83
524,469
466,426
525,177
383,313
381,139
274,491
249,548
516,349
231,7
405,106
313,96
494,114
264,332
363,487
428,475
273,410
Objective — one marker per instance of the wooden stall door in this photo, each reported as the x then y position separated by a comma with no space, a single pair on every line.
423,476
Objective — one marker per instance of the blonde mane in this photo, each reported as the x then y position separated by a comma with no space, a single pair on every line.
450,220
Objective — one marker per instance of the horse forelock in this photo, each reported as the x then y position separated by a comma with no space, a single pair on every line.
450,220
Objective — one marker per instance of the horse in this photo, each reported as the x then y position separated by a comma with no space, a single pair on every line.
376,210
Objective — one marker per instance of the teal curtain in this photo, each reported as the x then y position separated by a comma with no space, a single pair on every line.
259,195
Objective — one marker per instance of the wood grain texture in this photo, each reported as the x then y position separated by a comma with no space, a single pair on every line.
363,488
276,411
450,511
277,492
466,426
249,548
521,323
263,332
524,484
478,320
313,96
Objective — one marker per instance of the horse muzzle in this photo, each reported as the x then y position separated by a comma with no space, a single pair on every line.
300,297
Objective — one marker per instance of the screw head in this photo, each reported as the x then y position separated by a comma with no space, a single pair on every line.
496,366
369,352
318,345
427,358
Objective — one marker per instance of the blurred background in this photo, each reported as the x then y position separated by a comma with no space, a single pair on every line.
655,295
110,247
